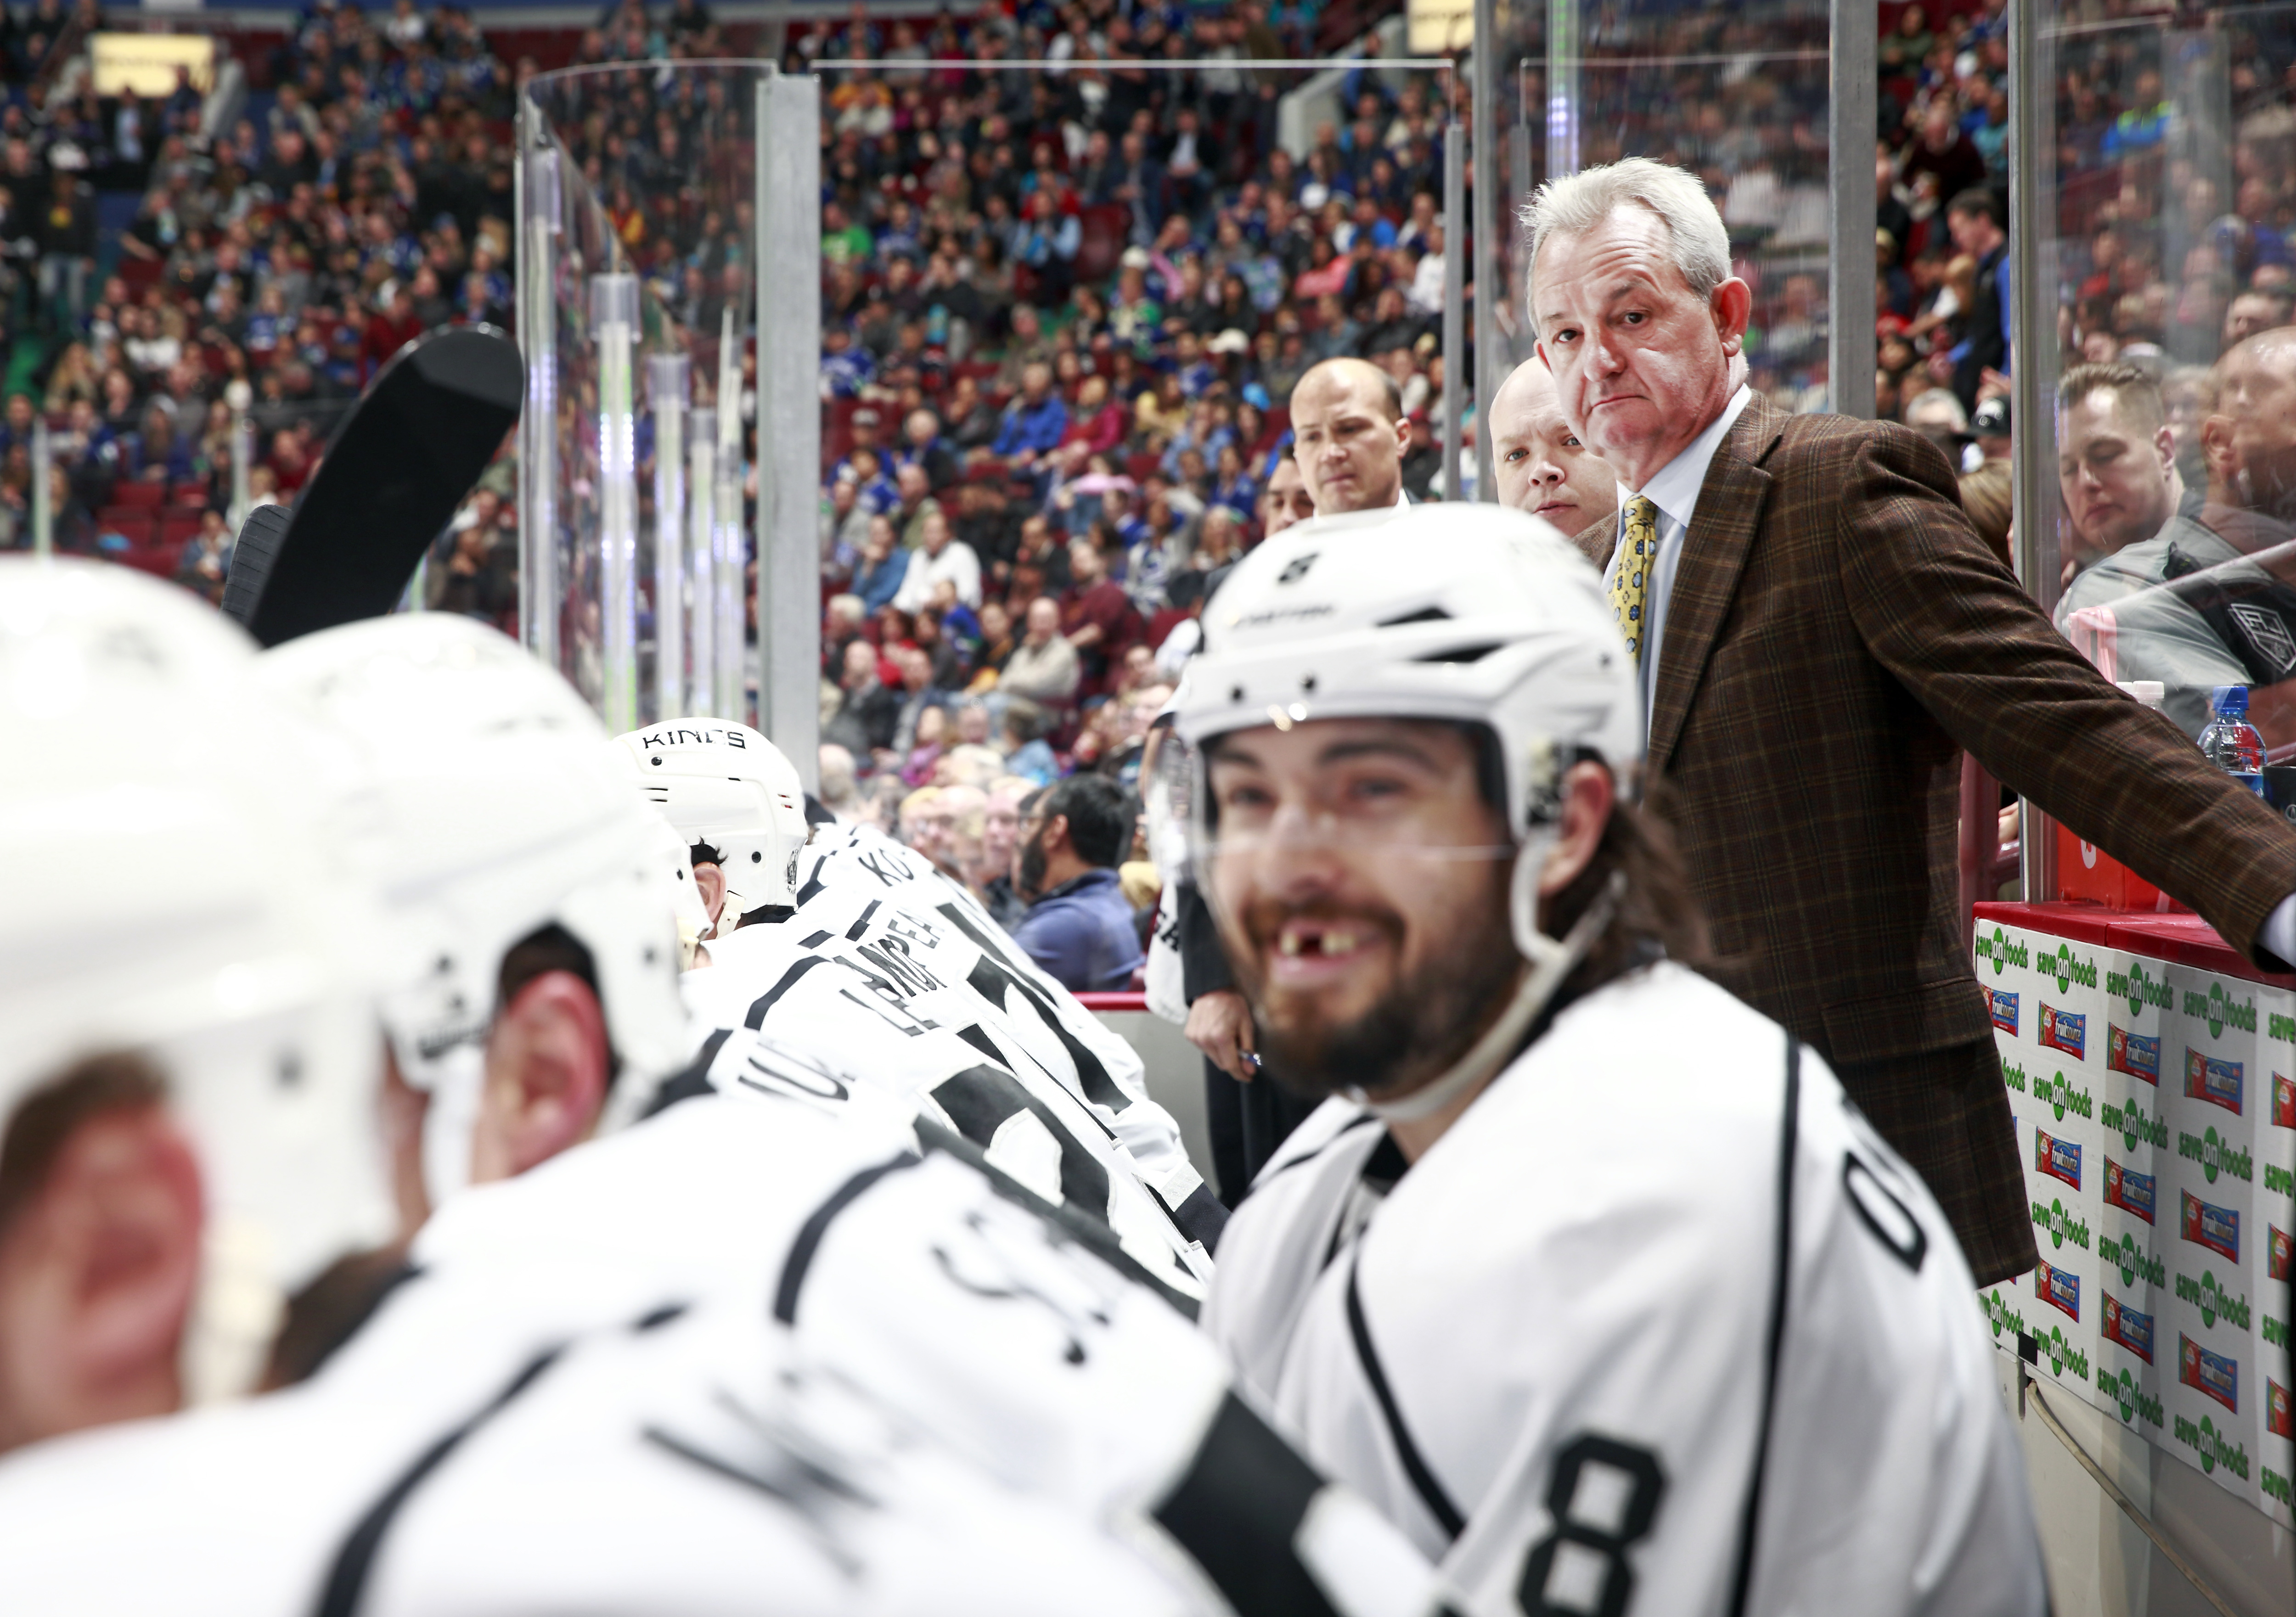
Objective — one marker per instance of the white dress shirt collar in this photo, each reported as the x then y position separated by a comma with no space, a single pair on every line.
1673,486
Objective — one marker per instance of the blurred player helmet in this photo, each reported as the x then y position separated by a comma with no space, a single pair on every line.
484,803
168,894
727,786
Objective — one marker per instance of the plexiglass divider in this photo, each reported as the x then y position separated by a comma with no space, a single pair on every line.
638,260
666,392
1739,95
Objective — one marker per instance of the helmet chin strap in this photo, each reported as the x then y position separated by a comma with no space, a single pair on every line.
1551,961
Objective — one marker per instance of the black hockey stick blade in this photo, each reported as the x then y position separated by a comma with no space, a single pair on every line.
399,463
251,559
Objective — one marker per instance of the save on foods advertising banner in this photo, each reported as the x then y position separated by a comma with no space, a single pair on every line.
2156,1118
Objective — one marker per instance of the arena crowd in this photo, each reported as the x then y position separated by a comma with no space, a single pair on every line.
1063,313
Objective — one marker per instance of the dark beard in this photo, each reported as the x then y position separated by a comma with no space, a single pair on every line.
1032,867
1414,1033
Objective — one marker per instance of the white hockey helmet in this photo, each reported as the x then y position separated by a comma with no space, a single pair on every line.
164,873
487,809
1475,614
727,786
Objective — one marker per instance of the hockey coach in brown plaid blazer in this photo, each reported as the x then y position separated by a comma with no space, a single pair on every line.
1819,632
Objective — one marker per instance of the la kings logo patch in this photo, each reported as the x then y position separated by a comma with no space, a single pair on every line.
2268,634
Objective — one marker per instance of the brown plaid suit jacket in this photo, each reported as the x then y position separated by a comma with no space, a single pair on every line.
1837,634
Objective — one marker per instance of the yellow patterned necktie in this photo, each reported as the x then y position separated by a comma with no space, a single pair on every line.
1630,585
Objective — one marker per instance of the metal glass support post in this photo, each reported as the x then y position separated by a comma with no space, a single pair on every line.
701,483
1491,290
1455,299
1562,87
788,419
614,328
725,583
44,508
1851,118
2032,329
535,173
237,397
665,389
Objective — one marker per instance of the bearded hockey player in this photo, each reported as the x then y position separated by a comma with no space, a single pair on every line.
1584,1272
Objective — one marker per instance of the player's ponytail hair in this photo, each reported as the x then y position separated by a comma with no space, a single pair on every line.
1658,912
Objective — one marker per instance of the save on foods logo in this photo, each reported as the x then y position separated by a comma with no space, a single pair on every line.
2216,1156
2002,1314
2214,1299
2127,1254
2136,988
2135,1125
2220,1011
2012,1073
2061,1225
2002,952
2135,1403
2061,1095
2063,1357
2065,968
2214,1448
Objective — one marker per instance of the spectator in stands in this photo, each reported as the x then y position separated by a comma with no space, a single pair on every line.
1044,669
938,558
840,791
1542,467
2253,311
1078,927
1349,433
924,447
1975,219
918,695
1096,616
1938,416
912,503
867,713
883,567
1000,846
391,328
1033,422
2116,457
998,641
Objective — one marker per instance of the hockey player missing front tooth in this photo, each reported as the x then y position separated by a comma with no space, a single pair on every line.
1534,1315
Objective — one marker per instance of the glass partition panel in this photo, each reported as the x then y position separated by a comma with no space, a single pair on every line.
1069,301
2161,535
1518,163
636,313
1736,95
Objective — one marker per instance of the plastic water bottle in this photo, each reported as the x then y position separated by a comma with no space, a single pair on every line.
2231,742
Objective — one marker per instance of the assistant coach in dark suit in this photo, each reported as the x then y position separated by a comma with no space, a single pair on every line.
1819,632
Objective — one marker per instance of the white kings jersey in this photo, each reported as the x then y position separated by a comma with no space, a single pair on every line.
863,1023
884,910
1658,1326
740,1358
